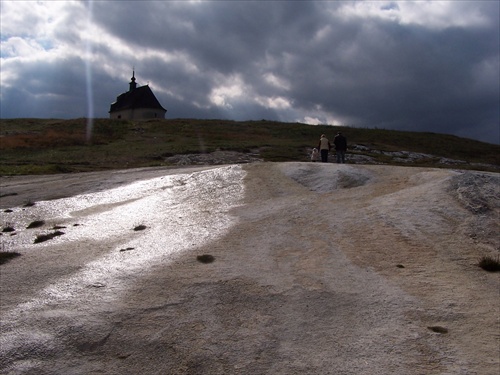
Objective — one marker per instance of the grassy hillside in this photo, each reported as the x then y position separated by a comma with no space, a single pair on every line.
34,146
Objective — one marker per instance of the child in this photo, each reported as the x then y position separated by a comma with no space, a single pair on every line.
314,155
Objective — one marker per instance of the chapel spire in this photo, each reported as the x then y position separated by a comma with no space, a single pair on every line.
132,83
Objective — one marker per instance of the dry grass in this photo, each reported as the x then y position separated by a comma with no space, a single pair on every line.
47,237
38,146
35,224
6,256
490,264
8,228
205,258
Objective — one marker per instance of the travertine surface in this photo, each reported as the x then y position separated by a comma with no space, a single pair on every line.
319,269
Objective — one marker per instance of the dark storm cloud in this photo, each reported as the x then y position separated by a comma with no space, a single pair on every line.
334,62
219,38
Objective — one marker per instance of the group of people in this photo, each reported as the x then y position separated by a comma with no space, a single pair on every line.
324,148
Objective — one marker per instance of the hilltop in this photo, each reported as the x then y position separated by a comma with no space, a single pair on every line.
46,146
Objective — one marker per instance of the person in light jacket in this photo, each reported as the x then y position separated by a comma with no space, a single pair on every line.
324,148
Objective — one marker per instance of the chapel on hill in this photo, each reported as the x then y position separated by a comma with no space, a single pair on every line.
138,103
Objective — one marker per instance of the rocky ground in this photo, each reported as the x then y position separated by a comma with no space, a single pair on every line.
358,154
316,269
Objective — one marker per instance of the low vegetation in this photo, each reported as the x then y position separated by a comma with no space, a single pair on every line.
490,264
35,224
8,228
438,329
43,146
47,237
205,258
5,256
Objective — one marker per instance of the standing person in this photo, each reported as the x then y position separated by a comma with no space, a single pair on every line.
340,143
314,154
324,147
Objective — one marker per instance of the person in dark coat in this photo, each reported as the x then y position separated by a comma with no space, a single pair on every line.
340,143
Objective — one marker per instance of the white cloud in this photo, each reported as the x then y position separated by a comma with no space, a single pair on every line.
276,102
224,94
17,47
31,18
276,81
311,120
432,14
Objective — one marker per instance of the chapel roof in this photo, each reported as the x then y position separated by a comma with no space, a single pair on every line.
136,97
140,97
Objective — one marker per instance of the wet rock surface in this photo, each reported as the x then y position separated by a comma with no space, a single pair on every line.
317,269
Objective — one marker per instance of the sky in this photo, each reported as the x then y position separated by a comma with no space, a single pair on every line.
429,66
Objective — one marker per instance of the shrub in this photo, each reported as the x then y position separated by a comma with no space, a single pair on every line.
35,224
5,256
8,228
438,329
205,258
29,203
490,264
46,237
